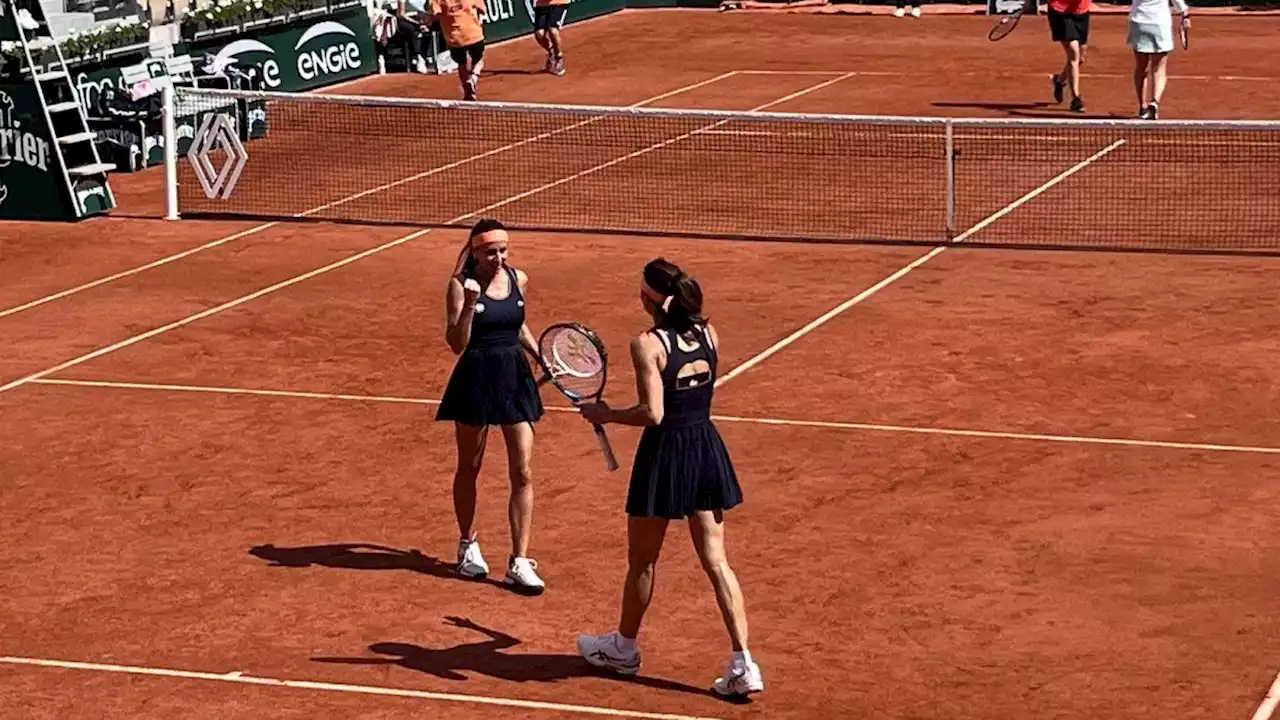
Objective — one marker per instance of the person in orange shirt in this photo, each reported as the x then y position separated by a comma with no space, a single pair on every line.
464,35
1069,25
548,18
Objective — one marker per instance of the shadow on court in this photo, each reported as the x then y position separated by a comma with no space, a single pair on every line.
1040,110
363,556
992,105
485,657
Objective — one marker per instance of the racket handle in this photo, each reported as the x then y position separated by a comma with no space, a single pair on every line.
610,461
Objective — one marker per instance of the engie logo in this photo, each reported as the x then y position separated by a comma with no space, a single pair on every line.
254,57
335,56
18,145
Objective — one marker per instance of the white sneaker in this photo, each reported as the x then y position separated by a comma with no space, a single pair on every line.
603,651
915,12
27,21
900,12
521,575
421,65
471,563
740,678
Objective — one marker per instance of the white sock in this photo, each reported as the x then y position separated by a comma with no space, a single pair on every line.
742,659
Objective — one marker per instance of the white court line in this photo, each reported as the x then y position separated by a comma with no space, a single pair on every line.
1269,703
902,272
971,73
320,208
240,677
824,424
358,256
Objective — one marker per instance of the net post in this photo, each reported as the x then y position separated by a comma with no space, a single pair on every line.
951,180
170,152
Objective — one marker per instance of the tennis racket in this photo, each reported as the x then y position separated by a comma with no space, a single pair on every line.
575,361
1009,22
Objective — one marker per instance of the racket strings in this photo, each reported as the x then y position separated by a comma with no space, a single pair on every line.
575,362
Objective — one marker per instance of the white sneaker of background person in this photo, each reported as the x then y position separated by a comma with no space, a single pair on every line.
421,65
27,21
521,576
471,563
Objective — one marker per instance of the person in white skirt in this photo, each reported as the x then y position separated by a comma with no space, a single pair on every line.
1151,37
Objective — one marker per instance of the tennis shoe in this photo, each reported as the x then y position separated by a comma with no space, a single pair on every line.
900,12
604,651
1153,111
521,576
915,12
741,677
557,67
471,563
1077,105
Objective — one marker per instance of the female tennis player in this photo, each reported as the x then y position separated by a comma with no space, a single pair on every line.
1151,37
681,470
491,384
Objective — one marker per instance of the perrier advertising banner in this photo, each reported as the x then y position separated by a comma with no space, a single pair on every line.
31,182
301,56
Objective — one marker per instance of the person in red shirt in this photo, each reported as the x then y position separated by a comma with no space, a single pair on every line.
1069,25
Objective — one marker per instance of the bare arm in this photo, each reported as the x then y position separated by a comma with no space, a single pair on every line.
460,306
648,409
527,340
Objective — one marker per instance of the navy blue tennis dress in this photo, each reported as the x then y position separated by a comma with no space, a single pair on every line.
681,465
492,383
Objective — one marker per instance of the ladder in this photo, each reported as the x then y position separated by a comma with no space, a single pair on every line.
83,173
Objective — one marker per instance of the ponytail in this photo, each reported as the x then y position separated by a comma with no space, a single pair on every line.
684,309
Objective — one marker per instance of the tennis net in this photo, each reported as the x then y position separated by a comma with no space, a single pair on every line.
1190,186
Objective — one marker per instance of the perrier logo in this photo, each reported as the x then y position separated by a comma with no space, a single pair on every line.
17,145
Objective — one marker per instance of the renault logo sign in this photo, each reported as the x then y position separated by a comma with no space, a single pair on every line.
217,132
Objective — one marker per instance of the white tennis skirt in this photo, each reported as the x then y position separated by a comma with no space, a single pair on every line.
1149,38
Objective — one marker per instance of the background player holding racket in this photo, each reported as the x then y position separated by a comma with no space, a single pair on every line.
491,384
681,470
1151,37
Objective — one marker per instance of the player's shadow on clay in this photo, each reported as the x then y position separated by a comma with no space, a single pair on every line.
485,657
362,556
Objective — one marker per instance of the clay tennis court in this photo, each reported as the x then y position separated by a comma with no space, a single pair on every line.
980,483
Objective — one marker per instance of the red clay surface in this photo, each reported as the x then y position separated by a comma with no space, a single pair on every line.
1111,345
887,575
918,577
